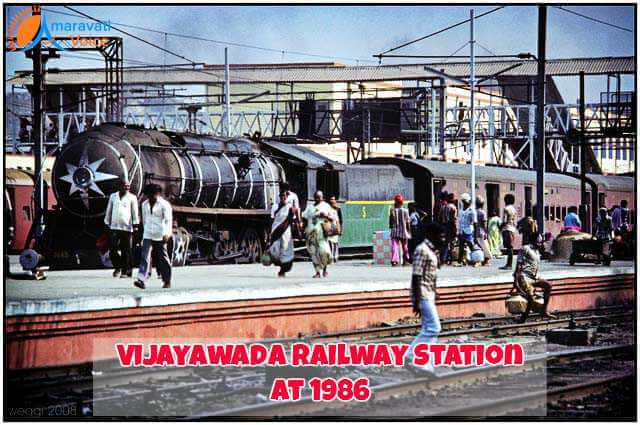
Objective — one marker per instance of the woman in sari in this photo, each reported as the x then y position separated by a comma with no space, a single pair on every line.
319,250
281,248
494,237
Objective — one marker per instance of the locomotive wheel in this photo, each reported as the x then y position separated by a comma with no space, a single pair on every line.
179,247
223,248
250,247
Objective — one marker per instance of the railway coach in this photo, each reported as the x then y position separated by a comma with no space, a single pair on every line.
493,183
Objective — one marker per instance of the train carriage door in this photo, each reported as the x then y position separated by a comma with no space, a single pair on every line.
328,181
528,201
438,187
493,198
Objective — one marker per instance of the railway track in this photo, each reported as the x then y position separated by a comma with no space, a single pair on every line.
113,384
306,406
84,374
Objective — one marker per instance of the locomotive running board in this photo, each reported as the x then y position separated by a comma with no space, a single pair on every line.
219,211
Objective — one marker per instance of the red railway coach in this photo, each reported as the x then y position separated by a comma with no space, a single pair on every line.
494,182
613,189
18,194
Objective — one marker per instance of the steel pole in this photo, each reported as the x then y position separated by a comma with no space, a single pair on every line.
583,159
227,94
472,121
540,103
37,137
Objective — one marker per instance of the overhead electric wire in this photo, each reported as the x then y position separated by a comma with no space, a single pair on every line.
594,19
130,35
226,43
437,32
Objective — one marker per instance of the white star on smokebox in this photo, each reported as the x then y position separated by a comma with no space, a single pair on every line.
95,177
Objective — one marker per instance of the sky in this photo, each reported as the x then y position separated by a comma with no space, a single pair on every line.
352,34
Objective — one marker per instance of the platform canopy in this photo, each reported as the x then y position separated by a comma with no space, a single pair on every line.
332,72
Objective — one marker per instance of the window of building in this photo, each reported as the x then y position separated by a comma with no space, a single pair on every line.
564,212
546,212
624,150
512,186
558,216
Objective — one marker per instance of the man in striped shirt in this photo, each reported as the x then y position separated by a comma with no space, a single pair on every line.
400,225
424,293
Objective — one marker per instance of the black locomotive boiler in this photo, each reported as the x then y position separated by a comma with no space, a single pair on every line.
221,191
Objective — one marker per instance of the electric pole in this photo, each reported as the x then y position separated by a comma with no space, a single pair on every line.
227,95
540,103
472,112
584,212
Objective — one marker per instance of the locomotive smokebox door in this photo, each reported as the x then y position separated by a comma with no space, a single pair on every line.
84,176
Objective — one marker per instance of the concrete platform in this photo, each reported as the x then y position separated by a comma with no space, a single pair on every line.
93,290
62,319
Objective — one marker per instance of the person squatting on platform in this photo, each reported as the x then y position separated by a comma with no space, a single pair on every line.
572,220
315,216
526,278
509,228
157,222
122,218
400,226
424,292
481,235
281,238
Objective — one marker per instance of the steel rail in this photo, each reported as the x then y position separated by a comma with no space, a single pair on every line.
306,405
535,399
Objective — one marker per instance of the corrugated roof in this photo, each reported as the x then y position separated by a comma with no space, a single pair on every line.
622,183
302,153
319,73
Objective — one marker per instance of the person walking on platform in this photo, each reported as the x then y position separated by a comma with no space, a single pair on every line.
317,218
334,240
122,219
415,218
620,218
440,203
449,220
526,278
157,221
509,229
400,227
424,291
467,228
481,234
603,231
281,239
495,238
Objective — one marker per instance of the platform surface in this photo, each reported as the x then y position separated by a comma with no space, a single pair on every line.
87,290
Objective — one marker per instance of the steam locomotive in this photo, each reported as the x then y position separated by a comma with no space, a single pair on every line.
222,189
208,180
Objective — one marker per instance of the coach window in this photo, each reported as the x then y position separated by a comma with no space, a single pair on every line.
328,181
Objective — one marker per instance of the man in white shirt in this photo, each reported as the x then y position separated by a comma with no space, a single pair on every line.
157,221
122,218
466,224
